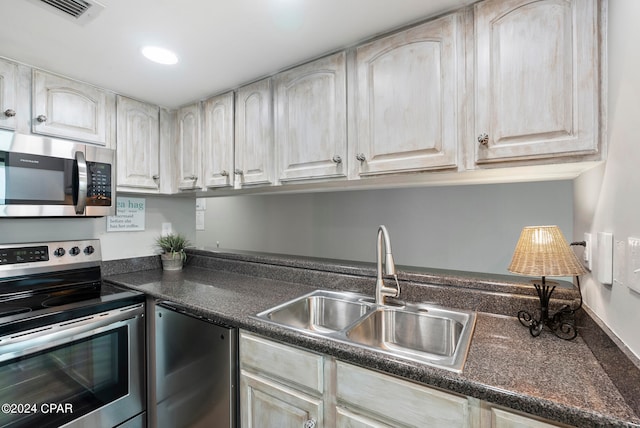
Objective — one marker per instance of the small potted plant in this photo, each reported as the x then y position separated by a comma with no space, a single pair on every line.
173,255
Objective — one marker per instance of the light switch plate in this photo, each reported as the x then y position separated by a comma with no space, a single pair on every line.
604,263
633,264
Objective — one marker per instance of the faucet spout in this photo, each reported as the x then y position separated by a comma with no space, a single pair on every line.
382,291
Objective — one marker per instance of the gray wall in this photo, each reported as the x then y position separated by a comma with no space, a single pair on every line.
473,228
115,245
606,199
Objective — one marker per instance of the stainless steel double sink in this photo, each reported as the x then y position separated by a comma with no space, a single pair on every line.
417,332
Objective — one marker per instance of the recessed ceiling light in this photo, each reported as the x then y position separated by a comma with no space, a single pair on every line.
159,55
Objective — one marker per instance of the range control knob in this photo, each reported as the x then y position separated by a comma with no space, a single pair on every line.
88,250
74,251
59,252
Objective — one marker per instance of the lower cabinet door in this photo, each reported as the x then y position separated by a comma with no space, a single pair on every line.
504,419
345,418
266,404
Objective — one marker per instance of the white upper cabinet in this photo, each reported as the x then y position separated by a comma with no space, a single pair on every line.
536,79
217,141
189,161
69,109
407,93
138,145
311,120
8,94
254,134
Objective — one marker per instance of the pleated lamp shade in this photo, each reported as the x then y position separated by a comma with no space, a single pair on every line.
543,251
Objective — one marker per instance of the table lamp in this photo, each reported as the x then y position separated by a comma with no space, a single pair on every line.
543,251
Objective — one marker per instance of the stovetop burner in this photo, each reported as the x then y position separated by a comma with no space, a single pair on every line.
68,298
13,310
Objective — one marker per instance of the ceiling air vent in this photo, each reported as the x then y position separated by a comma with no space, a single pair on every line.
80,11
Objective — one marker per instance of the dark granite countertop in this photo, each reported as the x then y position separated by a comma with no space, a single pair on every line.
545,376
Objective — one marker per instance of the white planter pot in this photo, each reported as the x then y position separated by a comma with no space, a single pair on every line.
171,261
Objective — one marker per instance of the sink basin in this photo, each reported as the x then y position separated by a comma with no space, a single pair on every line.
322,311
421,333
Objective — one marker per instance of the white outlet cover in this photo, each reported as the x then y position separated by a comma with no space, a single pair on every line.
620,263
604,263
166,229
633,264
588,251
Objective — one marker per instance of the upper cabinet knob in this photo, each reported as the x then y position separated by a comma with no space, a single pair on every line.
238,172
193,177
156,177
224,173
9,112
337,159
483,139
361,157
42,118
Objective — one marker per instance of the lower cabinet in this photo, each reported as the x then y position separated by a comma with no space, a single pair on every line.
372,399
285,386
266,403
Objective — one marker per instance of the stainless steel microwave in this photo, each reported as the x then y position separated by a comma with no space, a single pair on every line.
47,177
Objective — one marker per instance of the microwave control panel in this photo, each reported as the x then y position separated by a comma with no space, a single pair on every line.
98,184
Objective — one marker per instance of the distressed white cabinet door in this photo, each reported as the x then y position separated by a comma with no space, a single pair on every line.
265,403
537,90
346,418
504,419
189,147
311,120
254,134
396,402
138,145
69,109
217,141
8,94
407,99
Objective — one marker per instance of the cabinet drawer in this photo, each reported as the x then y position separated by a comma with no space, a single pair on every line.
397,401
295,366
504,419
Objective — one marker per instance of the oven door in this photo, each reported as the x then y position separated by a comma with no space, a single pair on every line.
84,372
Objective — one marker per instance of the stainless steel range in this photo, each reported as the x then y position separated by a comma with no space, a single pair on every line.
71,347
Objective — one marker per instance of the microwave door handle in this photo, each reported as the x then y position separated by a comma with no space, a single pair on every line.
82,183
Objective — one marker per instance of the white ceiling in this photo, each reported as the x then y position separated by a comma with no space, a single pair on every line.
221,44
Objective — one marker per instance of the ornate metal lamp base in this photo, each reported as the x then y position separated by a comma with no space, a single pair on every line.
562,323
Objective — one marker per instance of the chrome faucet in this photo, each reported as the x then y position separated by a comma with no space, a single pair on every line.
382,291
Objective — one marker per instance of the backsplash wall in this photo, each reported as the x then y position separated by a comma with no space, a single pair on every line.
472,228
115,245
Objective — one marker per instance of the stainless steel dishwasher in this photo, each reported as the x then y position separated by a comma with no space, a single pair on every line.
196,370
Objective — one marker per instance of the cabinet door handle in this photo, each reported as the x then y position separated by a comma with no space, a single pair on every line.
337,159
9,112
156,177
309,423
42,118
224,173
238,172
483,139
361,157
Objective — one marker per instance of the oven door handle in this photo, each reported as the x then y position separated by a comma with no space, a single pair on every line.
82,183
23,343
